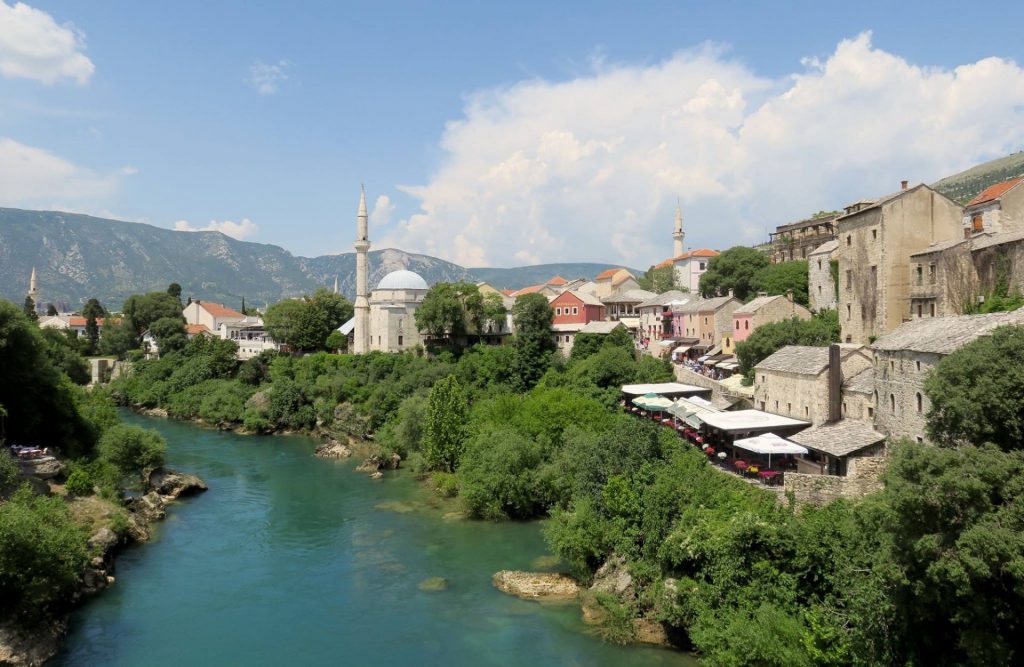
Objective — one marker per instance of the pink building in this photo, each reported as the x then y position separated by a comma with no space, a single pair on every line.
762,310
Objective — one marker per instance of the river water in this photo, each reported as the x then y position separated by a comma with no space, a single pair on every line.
293,560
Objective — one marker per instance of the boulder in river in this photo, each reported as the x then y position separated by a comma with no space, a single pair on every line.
172,484
537,585
332,449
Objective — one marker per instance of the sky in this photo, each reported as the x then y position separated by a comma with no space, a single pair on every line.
497,134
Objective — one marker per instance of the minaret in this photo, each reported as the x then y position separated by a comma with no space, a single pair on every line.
678,234
336,284
361,344
33,288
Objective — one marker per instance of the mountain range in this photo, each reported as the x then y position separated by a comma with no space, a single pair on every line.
80,256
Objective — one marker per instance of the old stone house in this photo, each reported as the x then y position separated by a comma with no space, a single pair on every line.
625,303
998,209
905,356
656,314
797,240
821,284
876,239
764,309
614,281
794,381
713,317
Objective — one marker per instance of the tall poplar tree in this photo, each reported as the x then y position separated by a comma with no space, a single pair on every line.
444,432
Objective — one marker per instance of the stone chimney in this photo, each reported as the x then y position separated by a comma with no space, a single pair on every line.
835,383
789,295
730,293
904,184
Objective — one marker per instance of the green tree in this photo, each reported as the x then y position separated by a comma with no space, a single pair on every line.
304,324
93,311
141,310
336,308
170,334
784,277
63,353
734,270
30,309
51,310
453,310
444,428
174,289
499,476
118,338
977,392
532,342
658,279
337,342
133,451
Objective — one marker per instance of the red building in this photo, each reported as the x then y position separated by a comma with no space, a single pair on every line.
577,308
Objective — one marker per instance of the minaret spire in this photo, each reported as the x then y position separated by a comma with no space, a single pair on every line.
33,287
336,284
361,334
678,235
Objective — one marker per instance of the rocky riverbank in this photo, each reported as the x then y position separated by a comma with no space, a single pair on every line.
112,527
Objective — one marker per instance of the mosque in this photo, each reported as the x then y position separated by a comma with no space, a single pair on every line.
385,319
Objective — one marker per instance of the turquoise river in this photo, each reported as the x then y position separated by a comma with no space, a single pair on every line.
293,560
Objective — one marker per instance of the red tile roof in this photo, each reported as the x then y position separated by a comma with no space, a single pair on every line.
662,265
79,321
532,289
196,329
508,292
557,280
995,191
607,274
218,310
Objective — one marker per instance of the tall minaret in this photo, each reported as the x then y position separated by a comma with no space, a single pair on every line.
678,234
336,284
361,344
33,288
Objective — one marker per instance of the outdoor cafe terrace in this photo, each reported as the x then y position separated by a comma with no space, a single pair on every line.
749,443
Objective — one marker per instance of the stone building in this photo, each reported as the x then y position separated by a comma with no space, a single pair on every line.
713,318
614,281
626,303
821,284
764,309
392,318
998,209
876,239
905,357
798,240
794,381
656,314
858,397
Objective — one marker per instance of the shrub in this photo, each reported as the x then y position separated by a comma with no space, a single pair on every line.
79,483
132,450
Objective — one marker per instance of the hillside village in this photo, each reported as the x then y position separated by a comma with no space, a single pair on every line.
907,274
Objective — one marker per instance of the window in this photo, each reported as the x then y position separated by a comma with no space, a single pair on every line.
819,290
844,409
762,405
703,265
849,279
892,365
764,378
746,325
776,406
920,440
874,234
399,340
849,338
918,364
848,311
931,274
567,339
919,401
575,310
976,224
892,403
920,274
849,240
871,411
558,311
920,308
819,265
807,411
933,310
874,275
789,407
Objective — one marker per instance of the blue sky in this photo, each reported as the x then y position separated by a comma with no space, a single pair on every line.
527,131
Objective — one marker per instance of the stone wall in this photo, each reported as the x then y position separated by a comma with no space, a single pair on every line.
899,384
792,395
718,390
821,288
863,477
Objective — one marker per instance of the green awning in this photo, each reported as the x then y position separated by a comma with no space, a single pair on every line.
652,402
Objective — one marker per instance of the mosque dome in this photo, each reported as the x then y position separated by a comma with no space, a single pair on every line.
403,280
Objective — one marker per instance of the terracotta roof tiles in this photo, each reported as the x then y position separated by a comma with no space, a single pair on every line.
995,191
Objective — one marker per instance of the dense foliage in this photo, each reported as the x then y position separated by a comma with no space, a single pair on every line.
306,323
784,277
977,392
734,269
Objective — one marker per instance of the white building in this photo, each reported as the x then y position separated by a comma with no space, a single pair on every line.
392,316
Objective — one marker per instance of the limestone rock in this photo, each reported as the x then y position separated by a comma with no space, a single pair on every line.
614,578
172,484
45,469
650,631
103,540
138,529
29,649
378,462
149,507
332,449
377,475
536,585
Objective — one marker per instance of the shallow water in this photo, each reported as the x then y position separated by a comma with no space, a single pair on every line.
289,559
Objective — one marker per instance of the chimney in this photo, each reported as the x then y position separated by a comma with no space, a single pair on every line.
730,293
835,383
789,295
903,185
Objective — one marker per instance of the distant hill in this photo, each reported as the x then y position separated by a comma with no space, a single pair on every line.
525,276
80,256
966,185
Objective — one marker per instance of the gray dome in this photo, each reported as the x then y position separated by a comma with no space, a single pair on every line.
403,280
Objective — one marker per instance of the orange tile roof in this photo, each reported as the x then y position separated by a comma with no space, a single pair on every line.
607,274
218,310
532,289
80,321
699,252
508,292
662,265
995,191
196,329
557,280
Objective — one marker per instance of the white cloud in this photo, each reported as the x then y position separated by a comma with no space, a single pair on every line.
589,169
237,230
382,211
35,177
266,79
33,46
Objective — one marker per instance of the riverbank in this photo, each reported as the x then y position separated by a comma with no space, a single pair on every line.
112,528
